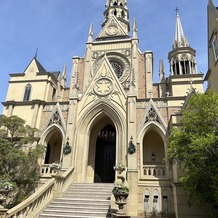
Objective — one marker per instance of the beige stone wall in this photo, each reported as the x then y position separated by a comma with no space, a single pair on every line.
141,77
25,112
66,93
212,75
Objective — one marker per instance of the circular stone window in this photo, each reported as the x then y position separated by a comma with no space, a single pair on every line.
118,68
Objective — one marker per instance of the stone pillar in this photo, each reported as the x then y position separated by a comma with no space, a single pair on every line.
36,104
132,175
10,105
149,72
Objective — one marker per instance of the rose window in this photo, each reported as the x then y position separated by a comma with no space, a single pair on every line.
117,67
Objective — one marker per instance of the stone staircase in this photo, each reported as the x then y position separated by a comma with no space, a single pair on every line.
89,200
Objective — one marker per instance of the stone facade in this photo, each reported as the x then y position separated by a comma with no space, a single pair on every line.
212,76
110,103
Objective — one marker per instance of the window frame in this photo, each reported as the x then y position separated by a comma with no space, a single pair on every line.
215,47
27,92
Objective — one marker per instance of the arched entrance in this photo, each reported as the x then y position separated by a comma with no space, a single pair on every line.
105,154
53,148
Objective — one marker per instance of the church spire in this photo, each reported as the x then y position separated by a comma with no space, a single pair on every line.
119,9
182,58
180,39
90,37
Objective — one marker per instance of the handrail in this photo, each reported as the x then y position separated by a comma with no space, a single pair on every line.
63,182
33,205
26,208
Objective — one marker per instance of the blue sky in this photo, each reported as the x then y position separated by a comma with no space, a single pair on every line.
59,29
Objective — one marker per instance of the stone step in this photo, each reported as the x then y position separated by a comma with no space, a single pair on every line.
81,201
78,207
64,211
82,190
87,196
72,216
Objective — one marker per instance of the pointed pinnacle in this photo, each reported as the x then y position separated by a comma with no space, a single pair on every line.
64,72
90,37
135,30
161,70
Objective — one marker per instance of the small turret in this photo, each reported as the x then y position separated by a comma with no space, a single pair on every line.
119,9
182,57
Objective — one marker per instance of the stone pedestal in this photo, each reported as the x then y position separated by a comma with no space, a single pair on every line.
114,215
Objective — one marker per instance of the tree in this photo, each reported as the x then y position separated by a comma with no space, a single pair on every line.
194,147
19,153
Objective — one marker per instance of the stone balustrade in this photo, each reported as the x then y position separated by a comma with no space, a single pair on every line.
32,206
154,170
46,171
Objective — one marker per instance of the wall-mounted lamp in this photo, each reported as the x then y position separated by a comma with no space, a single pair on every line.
67,148
131,147
153,157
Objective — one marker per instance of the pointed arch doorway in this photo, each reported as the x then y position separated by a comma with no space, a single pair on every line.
105,155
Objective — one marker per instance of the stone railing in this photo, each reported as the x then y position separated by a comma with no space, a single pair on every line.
154,170
46,171
32,206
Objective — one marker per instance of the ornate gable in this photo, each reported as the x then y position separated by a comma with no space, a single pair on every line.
112,29
152,115
56,117
105,85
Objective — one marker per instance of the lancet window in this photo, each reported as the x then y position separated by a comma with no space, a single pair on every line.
27,92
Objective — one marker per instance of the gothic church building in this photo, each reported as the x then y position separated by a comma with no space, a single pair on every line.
112,112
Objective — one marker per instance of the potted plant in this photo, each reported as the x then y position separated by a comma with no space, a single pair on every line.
120,192
119,167
55,168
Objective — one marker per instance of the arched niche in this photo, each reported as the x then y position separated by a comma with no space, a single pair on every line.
53,142
153,147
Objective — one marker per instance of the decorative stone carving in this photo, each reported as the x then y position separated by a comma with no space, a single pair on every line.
127,52
125,77
142,105
161,104
103,87
63,107
56,119
48,107
152,116
95,55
